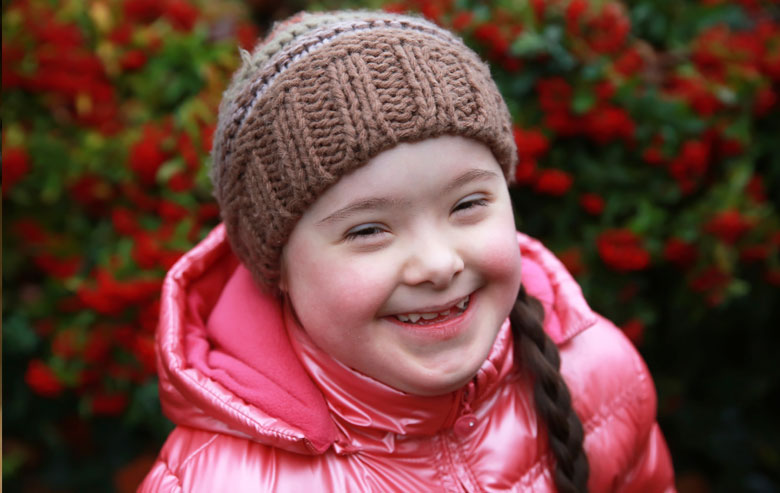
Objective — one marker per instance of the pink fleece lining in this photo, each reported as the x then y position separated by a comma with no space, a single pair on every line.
243,325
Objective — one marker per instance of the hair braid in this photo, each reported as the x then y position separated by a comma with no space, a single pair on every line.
539,355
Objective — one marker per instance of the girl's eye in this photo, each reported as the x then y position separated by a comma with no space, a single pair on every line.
364,231
470,202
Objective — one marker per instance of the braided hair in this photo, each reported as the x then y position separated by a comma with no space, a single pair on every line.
538,355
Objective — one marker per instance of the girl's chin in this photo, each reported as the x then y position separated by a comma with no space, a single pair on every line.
438,389
436,383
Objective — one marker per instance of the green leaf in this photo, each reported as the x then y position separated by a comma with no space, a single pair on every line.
169,168
18,336
528,44
553,33
737,288
482,13
648,217
13,461
593,71
582,101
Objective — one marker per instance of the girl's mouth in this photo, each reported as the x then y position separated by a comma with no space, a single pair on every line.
431,318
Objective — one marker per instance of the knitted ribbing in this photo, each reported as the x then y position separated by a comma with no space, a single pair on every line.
322,95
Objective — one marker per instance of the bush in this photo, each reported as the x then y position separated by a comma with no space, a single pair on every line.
645,130
108,113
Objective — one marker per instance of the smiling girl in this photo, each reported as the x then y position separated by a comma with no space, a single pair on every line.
368,319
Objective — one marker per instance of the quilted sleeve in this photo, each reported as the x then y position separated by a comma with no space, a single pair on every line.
160,479
652,471
613,393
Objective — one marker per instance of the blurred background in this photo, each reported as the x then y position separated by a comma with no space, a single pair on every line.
649,163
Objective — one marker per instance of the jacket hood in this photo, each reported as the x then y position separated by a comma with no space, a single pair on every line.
226,363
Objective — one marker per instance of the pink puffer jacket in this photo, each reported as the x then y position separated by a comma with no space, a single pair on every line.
257,409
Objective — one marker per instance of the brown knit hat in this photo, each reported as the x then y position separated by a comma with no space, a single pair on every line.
323,94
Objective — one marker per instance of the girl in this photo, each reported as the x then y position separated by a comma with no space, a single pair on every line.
367,317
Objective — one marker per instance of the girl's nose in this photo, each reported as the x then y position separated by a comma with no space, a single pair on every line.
432,260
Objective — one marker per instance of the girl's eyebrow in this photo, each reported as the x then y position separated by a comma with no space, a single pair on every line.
362,205
468,177
392,202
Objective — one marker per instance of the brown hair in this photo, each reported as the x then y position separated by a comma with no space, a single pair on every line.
537,354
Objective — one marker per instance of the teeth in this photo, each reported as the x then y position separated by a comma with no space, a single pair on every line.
414,317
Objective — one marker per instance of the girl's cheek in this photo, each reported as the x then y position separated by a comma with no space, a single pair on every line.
502,256
503,263
347,289
366,285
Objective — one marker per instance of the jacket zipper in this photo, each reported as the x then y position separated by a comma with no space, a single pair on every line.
464,424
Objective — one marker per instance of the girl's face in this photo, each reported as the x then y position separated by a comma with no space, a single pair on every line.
407,267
